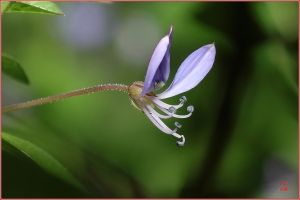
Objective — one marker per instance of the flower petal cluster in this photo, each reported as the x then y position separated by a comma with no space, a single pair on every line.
193,69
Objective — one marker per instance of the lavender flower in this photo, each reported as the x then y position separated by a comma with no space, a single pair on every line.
193,69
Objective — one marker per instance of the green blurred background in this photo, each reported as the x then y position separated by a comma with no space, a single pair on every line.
241,141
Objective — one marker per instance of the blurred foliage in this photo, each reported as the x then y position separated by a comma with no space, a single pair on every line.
246,108
42,158
31,174
13,68
30,7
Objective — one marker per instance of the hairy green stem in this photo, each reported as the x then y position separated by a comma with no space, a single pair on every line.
118,87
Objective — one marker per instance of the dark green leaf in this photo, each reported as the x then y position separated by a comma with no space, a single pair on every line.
42,158
13,68
34,7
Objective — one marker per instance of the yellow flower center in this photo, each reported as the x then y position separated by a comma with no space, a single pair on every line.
135,89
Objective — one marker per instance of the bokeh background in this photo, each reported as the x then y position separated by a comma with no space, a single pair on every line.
241,141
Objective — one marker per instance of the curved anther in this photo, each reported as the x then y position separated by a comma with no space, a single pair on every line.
181,144
182,99
177,125
172,109
190,109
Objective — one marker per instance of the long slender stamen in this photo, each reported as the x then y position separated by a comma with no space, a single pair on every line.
159,124
165,107
158,102
157,121
190,109
152,110
180,144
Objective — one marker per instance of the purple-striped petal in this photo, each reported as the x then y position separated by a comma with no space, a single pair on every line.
193,69
159,65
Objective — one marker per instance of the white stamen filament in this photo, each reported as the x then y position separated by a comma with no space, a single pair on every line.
158,102
170,110
177,135
183,116
174,115
152,110
156,120
154,117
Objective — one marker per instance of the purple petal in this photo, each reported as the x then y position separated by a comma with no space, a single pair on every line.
159,65
193,69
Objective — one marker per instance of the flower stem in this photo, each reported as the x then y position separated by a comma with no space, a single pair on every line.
119,87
